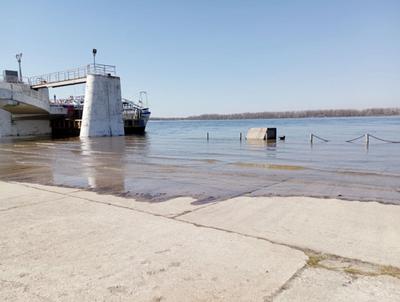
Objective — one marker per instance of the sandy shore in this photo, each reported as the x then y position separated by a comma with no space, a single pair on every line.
63,244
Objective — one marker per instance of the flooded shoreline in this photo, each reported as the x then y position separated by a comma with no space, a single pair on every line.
172,161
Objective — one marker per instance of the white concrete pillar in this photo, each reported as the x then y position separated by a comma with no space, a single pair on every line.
44,93
102,110
5,123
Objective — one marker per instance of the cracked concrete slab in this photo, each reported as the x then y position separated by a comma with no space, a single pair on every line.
170,208
15,195
55,189
365,231
316,284
74,249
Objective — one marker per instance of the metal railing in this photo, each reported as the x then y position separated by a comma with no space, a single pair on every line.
101,69
76,101
73,74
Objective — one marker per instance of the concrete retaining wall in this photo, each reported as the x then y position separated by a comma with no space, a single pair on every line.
102,113
21,99
25,127
5,123
30,128
24,110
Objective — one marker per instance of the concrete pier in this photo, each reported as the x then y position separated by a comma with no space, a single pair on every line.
5,123
23,111
30,112
102,113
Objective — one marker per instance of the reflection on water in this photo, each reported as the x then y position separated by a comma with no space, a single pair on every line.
175,159
103,162
268,144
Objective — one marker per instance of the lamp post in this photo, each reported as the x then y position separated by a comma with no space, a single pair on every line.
141,99
94,57
19,56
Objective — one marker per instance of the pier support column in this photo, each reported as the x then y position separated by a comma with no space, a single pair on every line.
102,112
5,123
44,93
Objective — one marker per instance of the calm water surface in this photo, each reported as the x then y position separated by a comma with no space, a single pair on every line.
174,158
186,140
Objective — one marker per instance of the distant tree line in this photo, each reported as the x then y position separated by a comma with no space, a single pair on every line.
293,114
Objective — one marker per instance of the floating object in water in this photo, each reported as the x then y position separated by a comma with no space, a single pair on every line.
261,133
282,138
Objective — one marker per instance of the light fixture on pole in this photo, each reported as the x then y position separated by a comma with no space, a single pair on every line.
94,57
19,56
143,101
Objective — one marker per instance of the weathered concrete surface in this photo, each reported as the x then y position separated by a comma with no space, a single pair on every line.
31,127
16,196
261,134
172,208
315,285
21,99
102,113
5,123
364,231
67,244
27,110
74,249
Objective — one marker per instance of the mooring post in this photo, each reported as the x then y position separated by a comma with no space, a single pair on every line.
367,139
208,136
240,136
311,138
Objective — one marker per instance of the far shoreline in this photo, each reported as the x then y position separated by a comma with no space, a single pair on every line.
329,113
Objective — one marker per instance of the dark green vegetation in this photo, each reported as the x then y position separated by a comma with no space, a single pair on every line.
293,114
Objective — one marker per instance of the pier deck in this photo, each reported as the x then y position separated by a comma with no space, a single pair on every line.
71,76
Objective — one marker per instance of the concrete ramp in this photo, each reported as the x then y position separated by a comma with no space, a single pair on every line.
21,99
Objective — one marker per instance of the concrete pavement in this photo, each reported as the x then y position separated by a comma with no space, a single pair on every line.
64,244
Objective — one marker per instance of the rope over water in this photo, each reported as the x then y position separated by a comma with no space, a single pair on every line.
354,139
367,136
384,140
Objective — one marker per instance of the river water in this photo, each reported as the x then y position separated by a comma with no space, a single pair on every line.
174,158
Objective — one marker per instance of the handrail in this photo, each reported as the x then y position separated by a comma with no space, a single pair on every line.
101,69
73,74
131,105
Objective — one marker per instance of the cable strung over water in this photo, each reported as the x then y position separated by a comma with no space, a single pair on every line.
354,139
367,136
384,140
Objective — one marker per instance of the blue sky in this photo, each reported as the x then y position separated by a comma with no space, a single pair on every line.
221,56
